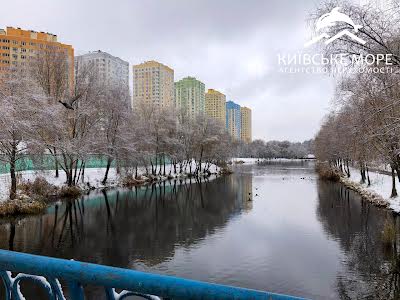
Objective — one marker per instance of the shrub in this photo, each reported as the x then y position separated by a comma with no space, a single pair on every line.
70,192
129,180
226,171
325,172
18,207
39,188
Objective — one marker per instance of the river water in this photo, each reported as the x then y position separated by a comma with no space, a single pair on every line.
272,227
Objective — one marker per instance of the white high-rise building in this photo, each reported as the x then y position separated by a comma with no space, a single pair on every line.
109,69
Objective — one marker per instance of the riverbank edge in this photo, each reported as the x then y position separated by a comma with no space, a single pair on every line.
25,205
328,173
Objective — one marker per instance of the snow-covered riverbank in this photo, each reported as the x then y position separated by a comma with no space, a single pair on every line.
380,188
250,160
93,178
244,160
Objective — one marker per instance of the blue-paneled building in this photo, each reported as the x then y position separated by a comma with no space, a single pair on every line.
233,119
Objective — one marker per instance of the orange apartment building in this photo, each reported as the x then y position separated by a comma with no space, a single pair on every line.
18,47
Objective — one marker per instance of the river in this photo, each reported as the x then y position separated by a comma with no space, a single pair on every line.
272,227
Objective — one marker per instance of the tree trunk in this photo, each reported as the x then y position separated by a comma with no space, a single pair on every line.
201,158
362,174
347,168
152,167
118,166
398,173
83,172
164,164
70,174
13,190
56,163
109,161
69,178
394,191
76,171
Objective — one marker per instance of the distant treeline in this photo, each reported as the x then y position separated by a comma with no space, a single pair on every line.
276,149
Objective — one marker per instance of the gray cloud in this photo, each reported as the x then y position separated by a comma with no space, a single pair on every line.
229,45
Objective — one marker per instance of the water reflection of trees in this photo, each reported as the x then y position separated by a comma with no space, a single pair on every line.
370,269
120,227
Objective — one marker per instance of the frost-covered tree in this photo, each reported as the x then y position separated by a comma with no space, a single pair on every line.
114,113
19,100
364,125
50,71
71,127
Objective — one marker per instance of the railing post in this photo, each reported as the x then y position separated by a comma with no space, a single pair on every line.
109,293
76,290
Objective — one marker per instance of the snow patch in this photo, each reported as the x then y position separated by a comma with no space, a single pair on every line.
381,184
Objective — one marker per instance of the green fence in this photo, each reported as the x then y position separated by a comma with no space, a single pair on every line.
47,162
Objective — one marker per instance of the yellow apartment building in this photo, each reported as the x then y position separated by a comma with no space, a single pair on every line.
215,106
153,83
245,124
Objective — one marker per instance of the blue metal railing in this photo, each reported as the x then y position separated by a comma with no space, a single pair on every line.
46,272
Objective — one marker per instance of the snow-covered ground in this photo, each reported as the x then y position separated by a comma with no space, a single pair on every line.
93,176
246,160
380,184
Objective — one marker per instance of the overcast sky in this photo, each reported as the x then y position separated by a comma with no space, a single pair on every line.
230,45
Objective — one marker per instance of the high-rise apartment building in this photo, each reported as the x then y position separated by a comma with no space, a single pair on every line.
245,124
233,119
190,96
153,83
108,69
215,105
18,47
